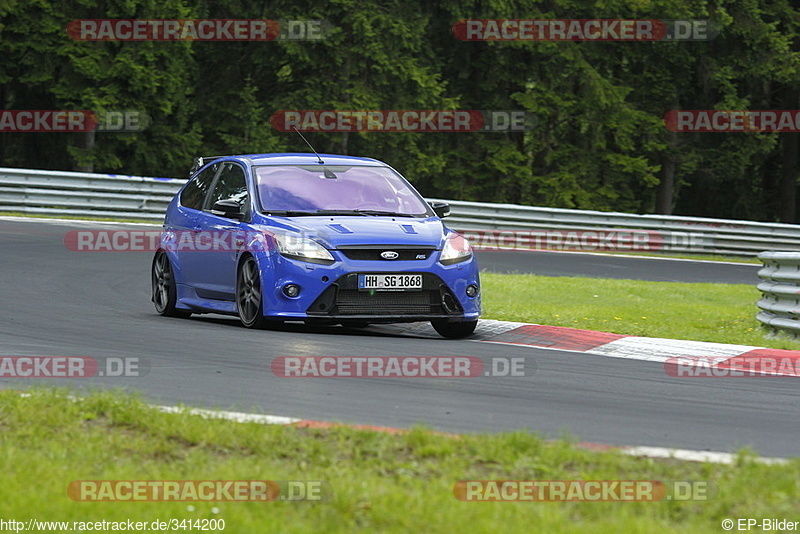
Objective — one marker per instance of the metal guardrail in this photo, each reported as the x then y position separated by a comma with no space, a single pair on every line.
488,225
85,194
780,288
562,228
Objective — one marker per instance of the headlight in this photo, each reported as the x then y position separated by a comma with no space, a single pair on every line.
303,248
456,249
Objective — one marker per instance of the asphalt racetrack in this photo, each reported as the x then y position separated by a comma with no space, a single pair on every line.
58,302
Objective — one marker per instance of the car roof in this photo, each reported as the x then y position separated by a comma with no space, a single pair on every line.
309,159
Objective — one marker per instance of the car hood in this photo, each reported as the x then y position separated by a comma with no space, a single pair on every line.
336,232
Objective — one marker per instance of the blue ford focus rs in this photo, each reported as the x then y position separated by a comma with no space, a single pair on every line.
301,237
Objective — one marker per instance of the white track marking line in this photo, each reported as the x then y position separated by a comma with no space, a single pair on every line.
238,417
696,456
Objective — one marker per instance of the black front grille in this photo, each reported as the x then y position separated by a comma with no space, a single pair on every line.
373,253
343,298
350,302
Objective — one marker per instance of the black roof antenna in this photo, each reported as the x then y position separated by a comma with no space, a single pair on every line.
309,144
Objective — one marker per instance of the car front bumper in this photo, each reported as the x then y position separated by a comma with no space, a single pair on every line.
330,292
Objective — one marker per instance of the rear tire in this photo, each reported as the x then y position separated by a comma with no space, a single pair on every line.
248,295
164,293
454,330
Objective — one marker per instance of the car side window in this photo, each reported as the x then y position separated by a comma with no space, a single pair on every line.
230,185
194,194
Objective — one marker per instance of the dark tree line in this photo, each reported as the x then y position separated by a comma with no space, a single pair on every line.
600,142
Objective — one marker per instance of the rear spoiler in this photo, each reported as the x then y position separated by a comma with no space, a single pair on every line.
199,161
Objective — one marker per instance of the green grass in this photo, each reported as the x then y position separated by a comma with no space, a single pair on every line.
751,259
723,313
747,259
380,482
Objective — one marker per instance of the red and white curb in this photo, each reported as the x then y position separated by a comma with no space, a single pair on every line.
645,452
721,356
716,356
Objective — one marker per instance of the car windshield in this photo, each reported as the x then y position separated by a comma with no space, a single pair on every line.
311,189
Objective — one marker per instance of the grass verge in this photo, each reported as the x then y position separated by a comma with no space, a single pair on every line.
751,259
380,482
748,259
723,313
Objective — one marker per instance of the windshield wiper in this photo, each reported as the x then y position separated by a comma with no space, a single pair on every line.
364,213
306,213
290,213
386,213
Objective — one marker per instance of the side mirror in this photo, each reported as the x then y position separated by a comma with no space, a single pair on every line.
441,209
196,164
229,209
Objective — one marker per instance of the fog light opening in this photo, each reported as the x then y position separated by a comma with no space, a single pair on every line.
291,290
472,290
449,303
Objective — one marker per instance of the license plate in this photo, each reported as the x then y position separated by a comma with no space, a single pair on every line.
389,282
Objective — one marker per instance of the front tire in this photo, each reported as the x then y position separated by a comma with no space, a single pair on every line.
164,294
248,295
454,330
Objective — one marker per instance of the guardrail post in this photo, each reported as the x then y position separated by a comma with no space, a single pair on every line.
779,306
